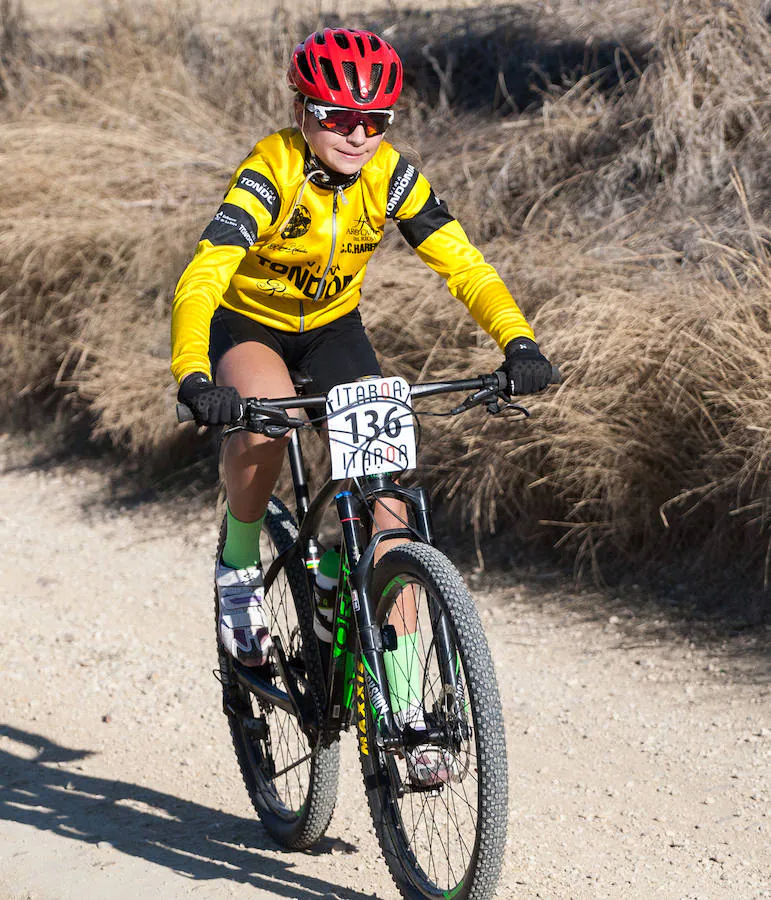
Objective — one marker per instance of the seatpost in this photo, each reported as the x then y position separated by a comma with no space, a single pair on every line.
370,638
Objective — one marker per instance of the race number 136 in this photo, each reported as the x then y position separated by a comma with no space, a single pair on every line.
371,428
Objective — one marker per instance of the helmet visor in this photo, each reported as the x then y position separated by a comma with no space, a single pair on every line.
345,121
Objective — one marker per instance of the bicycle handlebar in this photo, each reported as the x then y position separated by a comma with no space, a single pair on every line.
486,385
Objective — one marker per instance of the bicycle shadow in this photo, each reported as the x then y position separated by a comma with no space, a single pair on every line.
195,841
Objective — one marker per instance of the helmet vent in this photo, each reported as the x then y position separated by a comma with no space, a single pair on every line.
346,67
351,77
374,79
304,67
392,76
329,73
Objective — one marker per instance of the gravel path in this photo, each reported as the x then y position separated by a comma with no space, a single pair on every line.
638,756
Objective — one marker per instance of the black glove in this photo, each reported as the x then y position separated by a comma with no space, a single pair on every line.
527,369
211,405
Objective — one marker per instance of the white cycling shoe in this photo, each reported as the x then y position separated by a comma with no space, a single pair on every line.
243,628
427,765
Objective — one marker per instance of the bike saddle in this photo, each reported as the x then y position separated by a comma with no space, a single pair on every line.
300,381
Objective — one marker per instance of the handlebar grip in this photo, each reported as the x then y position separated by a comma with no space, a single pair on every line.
556,376
184,413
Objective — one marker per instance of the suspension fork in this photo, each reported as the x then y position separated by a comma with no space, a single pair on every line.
418,498
350,511
446,657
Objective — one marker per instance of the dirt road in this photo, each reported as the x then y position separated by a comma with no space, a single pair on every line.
638,757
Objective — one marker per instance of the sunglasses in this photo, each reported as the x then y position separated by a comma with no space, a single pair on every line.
345,121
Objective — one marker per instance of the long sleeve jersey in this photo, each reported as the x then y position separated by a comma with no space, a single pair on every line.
292,255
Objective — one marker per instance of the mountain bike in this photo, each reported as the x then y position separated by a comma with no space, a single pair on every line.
443,835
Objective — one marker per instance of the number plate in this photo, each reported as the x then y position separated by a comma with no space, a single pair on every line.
371,429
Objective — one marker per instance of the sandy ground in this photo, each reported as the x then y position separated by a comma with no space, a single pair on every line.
638,752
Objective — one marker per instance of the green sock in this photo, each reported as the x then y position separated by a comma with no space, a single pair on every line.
404,673
242,542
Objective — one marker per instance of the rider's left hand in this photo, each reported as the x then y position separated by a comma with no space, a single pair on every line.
527,369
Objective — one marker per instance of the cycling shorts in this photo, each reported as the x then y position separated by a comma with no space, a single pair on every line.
331,354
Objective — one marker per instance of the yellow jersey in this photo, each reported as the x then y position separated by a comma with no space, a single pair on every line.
291,252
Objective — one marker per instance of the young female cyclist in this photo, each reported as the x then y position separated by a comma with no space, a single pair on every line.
276,278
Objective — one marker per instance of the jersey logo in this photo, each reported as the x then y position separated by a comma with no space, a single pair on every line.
298,225
270,286
233,226
261,188
402,181
363,229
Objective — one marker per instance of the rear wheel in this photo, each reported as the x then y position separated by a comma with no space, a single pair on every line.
292,786
447,838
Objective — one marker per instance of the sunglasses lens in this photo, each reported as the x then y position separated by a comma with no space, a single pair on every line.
375,123
345,121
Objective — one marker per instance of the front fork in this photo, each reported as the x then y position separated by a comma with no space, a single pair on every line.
370,638
360,556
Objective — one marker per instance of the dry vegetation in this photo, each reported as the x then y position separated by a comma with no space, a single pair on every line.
612,161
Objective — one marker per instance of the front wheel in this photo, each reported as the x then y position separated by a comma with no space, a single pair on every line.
442,836
292,785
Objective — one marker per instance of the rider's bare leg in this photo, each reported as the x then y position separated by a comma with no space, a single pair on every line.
252,462
391,513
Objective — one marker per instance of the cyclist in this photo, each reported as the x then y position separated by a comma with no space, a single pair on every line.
276,278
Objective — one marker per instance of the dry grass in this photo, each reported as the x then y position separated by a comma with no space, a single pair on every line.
612,164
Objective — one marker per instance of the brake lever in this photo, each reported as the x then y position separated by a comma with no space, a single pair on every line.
491,397
485,395
265,423
495,407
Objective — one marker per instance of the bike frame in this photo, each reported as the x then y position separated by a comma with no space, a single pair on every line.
354,603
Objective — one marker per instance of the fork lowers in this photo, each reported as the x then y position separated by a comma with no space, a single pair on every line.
370,636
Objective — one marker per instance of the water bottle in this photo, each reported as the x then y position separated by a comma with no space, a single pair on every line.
325,592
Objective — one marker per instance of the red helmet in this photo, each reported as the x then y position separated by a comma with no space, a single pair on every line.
347,68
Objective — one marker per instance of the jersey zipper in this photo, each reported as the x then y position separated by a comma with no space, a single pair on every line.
320,288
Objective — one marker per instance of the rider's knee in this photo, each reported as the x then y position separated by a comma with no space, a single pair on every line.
258,448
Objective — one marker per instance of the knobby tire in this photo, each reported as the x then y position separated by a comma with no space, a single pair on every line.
447,841
296,807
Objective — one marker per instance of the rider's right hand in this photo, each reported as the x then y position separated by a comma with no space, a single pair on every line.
209,404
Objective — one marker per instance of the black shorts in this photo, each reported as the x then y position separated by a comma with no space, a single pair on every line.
331,354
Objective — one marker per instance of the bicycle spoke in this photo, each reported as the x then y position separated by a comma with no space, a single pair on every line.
292,788
431,831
